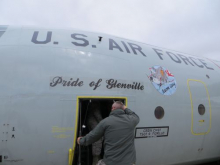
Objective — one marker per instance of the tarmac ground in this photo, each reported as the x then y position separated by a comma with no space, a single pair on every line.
211,163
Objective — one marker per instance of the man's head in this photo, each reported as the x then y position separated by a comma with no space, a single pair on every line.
117,105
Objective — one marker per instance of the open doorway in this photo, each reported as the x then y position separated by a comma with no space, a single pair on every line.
87,107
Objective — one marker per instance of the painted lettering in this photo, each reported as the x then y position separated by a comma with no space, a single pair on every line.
55,81
126,48
201,66
59,80
83,40
97,84
112,83
114,45
135,47
171,55
185,59
158,53
205,64
47,40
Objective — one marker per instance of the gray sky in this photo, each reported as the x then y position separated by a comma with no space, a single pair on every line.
189,26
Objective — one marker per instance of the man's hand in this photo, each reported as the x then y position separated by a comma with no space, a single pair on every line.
78,139
124,107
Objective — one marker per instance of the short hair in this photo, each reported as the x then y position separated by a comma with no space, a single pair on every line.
118,105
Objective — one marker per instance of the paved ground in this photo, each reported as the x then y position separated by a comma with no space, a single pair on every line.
212,163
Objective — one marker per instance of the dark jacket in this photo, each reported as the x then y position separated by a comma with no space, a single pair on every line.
118,133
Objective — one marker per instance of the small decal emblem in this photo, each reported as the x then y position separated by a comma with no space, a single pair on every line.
163,80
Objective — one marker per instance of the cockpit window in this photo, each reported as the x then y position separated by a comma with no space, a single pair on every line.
3,28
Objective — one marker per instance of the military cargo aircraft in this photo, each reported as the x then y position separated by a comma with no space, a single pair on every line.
50,78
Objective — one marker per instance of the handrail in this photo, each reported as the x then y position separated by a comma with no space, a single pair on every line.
70,156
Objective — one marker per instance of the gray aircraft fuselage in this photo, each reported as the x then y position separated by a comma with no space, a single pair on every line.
44,73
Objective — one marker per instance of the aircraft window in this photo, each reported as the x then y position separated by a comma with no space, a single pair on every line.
201,109
1,33
159,112
3,29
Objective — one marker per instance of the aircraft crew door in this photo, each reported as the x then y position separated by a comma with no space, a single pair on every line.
200,107
89,108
